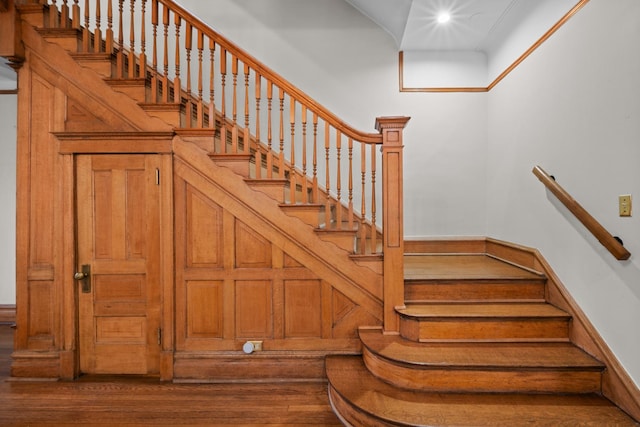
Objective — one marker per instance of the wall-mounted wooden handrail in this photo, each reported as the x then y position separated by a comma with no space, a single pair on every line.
608,241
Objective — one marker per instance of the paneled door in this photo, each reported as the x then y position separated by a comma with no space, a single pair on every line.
118,214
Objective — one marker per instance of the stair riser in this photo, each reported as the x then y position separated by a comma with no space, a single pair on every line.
352,416
484,329
484,380
472,291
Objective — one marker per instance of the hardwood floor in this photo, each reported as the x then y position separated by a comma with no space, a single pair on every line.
110,401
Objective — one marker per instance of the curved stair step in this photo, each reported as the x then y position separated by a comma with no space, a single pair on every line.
484,322
480,367
360,399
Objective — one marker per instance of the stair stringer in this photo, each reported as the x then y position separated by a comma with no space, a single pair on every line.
115,110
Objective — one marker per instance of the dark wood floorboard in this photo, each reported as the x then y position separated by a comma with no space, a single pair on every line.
103,401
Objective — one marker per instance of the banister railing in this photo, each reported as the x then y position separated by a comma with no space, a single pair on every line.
613,244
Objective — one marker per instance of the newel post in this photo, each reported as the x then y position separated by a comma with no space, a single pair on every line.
392,218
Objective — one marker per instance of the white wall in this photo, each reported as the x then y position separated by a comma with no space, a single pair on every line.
8,199
574,109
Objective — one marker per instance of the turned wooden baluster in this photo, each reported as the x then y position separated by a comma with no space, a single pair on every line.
54,15
223,100
305,181
363,205
374,234
269,130
154,75
212,92
64,15
258,96
75,13
97,33
177,81
234,105
350,195
86,35
314,181
327,146
109,34
246,135
281,127
142,72
292,172
120,54
188,46
165,76
338,181
132,42
200,112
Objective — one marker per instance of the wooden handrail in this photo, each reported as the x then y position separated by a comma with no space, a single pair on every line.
608,241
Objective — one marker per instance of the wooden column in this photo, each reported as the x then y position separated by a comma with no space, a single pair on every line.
392,218
10,35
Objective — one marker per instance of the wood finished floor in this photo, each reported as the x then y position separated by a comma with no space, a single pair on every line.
129,402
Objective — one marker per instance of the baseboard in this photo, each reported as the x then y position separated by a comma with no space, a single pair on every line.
7,313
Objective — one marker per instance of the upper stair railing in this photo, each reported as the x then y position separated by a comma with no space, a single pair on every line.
249,110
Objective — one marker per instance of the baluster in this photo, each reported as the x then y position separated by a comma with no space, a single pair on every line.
327,146
281,153
54,15
132,41
363,206
305,180
119,55
97,34
374,233
154,76
109,38
246,137
350,194
223,100
177,82
75,20
142,72
258,95
212,92
64,14
165,77
315,158
234,103
86,35
200,113
269,130
188,45
292,174
338,180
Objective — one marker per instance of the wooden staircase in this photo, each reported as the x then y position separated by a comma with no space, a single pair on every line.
478,346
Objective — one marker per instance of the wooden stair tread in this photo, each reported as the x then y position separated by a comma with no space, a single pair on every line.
478,355
467,267
482,310
363,398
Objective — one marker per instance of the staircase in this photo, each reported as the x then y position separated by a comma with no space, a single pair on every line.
478,345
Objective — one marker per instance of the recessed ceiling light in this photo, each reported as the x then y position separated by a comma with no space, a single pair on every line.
444,17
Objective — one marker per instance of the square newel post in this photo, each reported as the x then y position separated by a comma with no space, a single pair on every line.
392,218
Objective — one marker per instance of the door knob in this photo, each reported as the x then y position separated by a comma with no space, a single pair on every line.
84,275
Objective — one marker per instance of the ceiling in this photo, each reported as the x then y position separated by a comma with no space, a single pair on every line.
483,36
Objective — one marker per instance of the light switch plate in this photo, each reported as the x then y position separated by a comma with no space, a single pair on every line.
624,204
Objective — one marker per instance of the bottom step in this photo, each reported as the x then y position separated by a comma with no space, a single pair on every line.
361,399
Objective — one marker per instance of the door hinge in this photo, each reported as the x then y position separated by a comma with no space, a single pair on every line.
157,176
159,336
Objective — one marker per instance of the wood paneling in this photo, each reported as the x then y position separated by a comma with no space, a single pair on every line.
302,309
252,250
204,231
254,309
205,309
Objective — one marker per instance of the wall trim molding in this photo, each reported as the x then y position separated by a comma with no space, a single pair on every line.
7,313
